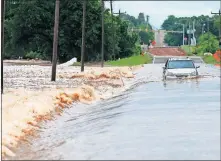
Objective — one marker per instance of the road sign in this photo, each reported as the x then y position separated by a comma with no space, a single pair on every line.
190,31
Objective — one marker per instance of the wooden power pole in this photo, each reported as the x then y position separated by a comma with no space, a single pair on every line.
55,41
2,42
83,36
113,28
102,37
208,34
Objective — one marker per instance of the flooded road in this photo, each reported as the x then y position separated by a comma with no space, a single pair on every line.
178,119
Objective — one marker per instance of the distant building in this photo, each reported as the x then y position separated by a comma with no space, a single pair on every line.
159,38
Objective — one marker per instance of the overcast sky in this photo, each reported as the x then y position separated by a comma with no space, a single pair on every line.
159,10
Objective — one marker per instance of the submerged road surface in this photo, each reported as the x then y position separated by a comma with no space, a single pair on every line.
178,119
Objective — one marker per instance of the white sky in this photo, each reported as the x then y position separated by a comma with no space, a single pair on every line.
159,10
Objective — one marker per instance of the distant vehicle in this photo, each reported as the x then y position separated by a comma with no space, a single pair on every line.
179,68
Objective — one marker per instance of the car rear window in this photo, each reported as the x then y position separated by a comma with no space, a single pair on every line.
180,64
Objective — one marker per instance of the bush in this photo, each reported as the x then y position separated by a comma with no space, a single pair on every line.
137,50
34,55
6,56
209,59
207,43
189,50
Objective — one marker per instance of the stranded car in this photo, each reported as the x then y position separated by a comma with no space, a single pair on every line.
179,68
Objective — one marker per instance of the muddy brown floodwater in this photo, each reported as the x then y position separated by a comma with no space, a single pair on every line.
176,119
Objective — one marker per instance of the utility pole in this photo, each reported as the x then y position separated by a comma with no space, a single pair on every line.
113,28
189,37
220,25
194,43
55,42
183,34
111,5
208,34
102,39
2,37
119,13
183,30
83,36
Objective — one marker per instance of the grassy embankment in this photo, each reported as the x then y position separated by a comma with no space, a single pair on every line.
131,61
188,49
76,64
208,59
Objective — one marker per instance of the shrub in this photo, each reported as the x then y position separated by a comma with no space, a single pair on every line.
34,55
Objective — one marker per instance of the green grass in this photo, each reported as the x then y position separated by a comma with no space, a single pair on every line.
208,59
76,64
188,49
131,61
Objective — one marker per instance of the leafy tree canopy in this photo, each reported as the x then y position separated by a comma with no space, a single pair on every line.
29,30
174,23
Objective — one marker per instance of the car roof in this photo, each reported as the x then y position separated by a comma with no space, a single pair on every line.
174,59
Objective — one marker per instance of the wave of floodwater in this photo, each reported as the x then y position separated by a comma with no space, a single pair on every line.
177,119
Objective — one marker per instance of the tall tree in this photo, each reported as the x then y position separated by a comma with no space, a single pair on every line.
29,28
141,18
207,43
173,23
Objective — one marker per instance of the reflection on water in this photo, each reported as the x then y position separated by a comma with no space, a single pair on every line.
157,120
